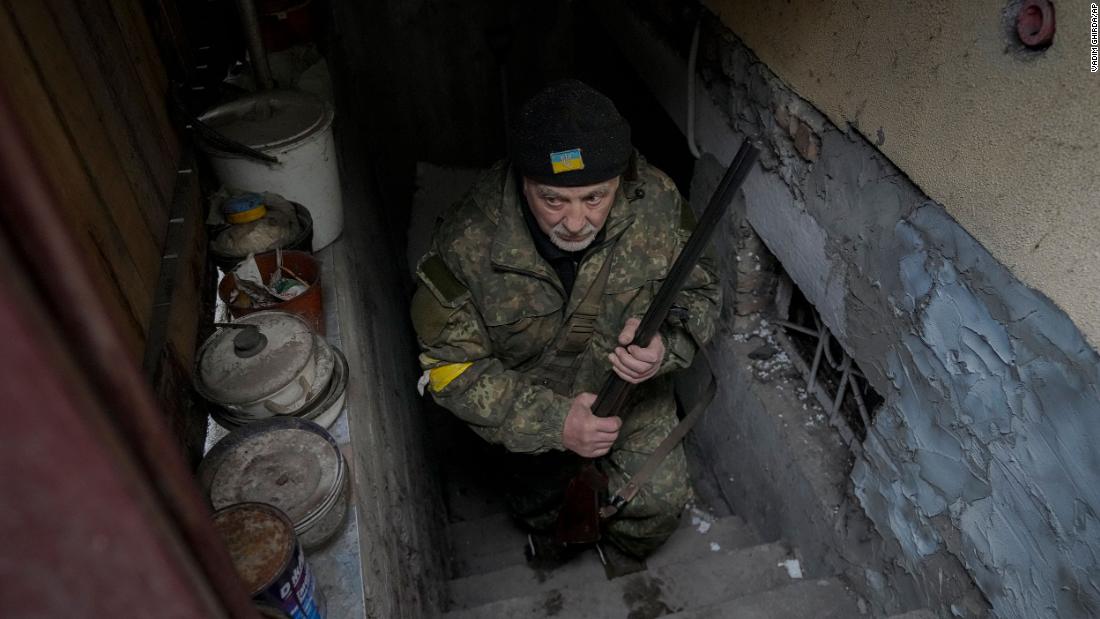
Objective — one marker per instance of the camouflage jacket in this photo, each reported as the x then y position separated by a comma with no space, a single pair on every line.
488,305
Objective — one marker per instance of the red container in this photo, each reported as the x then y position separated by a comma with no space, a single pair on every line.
309,305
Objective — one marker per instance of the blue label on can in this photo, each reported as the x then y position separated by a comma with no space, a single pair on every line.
295,591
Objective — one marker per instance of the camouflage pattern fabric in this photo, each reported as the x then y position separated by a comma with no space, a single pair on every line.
486,297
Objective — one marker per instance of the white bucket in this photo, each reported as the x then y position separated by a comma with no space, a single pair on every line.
295,128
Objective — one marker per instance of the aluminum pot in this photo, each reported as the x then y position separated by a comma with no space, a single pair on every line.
290,463
324,404
261,365
302,240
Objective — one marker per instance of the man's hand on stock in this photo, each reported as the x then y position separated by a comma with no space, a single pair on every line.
635,364
586,434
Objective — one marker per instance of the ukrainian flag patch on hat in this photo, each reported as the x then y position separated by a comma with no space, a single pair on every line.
566,160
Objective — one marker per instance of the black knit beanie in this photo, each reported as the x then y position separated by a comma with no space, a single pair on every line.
570,135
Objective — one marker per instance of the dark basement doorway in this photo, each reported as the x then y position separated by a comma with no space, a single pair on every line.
469,467
470,470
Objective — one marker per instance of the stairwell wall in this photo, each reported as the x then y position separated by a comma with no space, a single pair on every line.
1003,137
980,461
401,518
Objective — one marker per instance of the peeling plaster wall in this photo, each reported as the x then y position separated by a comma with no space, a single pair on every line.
1007,140
993,425
985,447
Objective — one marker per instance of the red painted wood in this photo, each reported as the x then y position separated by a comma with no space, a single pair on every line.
46,256
80,533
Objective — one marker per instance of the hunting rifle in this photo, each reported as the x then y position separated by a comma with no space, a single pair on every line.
580,514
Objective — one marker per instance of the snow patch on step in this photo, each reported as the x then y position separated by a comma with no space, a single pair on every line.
794,568
701,521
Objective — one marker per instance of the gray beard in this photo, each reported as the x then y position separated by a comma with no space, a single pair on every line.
564,245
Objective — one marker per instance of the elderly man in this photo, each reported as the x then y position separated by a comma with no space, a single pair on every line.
531,294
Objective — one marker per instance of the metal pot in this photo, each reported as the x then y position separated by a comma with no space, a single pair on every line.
261,365
290,463
301,239
325,402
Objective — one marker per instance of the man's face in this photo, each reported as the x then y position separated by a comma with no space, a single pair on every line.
571,216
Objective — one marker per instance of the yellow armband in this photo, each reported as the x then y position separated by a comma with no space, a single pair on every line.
440,377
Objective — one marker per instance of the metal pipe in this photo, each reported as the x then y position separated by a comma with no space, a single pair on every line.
797,327
693,54
256,53
863,413
842,386
817,358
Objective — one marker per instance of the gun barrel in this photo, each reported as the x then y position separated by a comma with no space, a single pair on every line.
615,390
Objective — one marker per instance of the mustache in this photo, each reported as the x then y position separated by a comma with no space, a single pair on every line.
560,231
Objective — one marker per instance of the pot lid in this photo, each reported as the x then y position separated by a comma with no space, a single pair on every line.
330,382
291,464
269,119
325,370
255,357
326,409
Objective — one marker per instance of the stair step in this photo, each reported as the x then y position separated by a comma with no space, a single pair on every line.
470,499
486,544
495,542
519,580
820,599
722,534
659,591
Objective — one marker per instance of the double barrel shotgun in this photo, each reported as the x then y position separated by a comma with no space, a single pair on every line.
584,509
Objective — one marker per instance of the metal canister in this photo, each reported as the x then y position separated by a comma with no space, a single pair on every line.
269,559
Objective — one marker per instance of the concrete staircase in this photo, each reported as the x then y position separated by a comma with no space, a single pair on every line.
711,567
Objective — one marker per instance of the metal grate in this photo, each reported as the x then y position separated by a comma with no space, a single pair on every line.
830,372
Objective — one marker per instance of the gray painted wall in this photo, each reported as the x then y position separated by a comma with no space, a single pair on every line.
984,449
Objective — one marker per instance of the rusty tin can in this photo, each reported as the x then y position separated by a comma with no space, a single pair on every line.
269,559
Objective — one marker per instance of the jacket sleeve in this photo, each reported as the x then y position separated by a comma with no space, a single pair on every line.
694,315
501,405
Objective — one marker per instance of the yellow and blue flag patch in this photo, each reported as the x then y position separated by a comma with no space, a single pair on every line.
566,160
